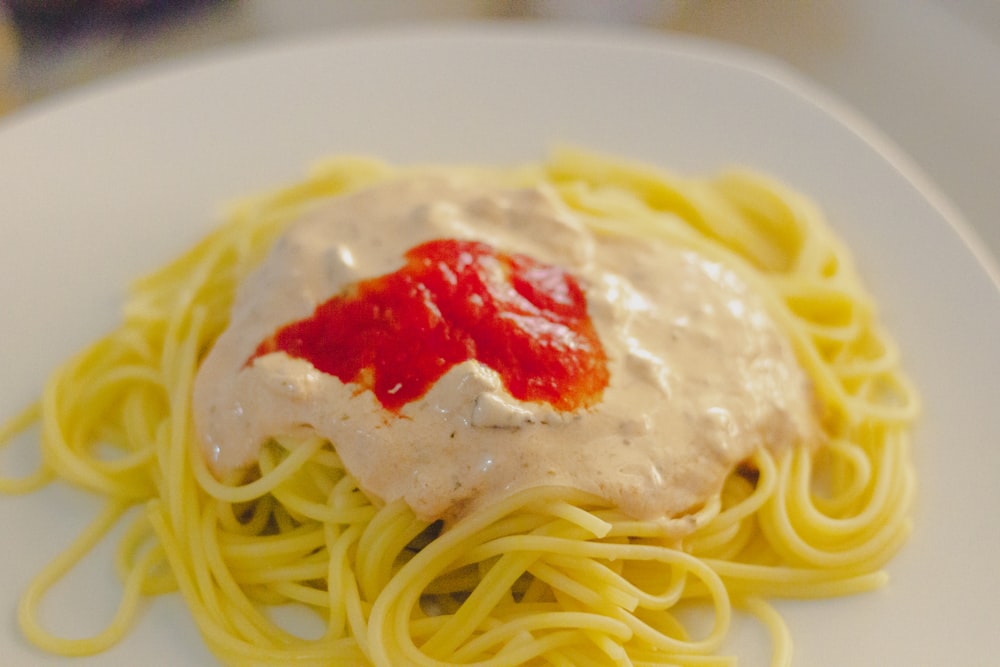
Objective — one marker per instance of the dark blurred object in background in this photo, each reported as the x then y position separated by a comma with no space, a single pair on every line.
47,20
52,45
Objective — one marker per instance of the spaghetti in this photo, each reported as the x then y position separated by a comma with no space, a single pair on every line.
548,575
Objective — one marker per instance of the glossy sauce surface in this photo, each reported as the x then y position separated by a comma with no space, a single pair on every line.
455,301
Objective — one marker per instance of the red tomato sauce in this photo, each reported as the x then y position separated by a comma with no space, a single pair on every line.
453,301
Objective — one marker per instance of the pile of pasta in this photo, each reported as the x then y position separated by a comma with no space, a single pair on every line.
549,576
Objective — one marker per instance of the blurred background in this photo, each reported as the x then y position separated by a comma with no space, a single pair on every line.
926,72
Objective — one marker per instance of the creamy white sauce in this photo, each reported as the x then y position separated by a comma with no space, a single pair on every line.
700,376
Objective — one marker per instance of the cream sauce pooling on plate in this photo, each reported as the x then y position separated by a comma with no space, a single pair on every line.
700,376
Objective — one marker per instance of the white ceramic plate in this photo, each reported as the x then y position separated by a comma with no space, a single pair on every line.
107,183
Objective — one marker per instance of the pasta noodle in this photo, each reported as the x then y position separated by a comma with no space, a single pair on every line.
547,576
